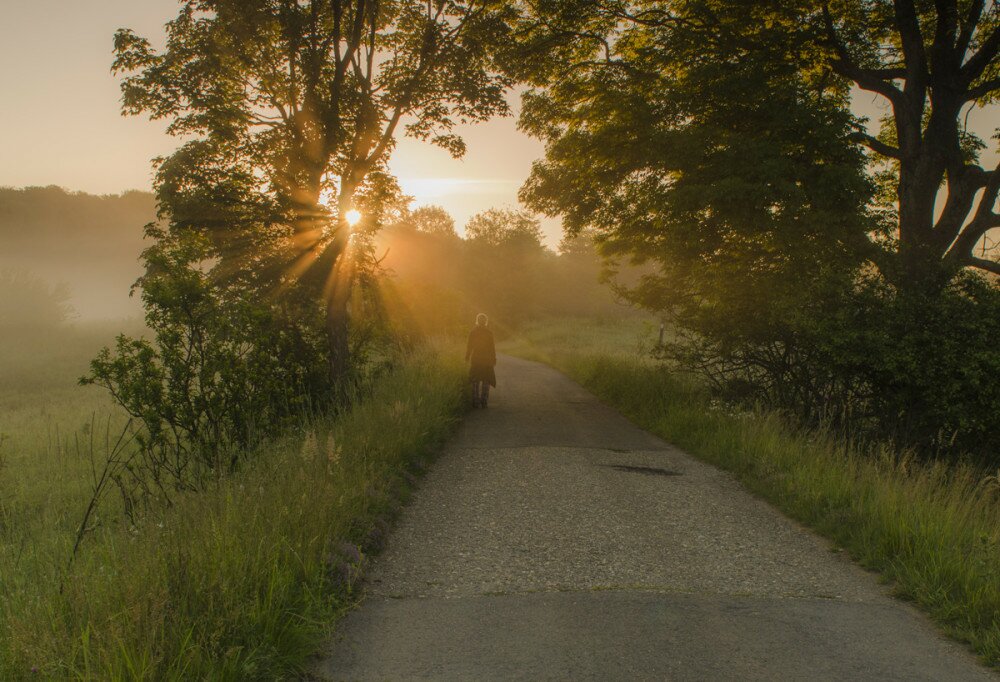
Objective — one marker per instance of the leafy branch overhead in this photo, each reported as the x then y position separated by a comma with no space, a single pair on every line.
932,62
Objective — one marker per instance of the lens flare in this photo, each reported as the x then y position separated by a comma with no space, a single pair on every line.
353,217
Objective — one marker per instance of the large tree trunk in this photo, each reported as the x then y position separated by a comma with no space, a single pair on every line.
338,336
928,91
339,287
921,265
324,270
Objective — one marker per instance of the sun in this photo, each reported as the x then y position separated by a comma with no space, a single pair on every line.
353,217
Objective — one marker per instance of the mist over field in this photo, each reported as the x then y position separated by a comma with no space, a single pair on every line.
89,245
69,260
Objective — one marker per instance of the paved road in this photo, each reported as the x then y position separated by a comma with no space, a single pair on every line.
555,540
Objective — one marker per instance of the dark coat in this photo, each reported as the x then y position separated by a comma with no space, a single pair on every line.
483,355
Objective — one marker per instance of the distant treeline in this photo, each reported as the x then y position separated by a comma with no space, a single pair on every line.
71,254
90,244
439,281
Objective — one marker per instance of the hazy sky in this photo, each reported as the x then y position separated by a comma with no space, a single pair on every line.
60,122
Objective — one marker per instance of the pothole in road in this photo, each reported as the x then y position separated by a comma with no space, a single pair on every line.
649,471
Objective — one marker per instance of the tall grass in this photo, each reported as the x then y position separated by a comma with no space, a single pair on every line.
241,581
930,529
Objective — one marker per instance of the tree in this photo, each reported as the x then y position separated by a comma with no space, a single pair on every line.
727,168
498,226
505,264
433,220
293,107
932,62
680,143
715,141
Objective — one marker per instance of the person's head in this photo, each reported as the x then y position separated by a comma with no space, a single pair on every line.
482,320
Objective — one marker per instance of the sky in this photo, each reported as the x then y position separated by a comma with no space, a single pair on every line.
61,123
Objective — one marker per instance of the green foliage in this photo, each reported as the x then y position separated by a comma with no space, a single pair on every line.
221,372
918,371
505,262
290,112
508,228
433,220
294,108
672,154
873,364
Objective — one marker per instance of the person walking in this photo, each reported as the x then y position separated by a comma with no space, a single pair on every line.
481,353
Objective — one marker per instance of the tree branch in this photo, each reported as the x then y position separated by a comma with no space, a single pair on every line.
982,89
977,64
984,264
969,28
912,42
984,220
875,144
963,185
943,49
845,65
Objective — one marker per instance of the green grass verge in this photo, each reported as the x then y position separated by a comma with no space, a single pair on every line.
242,581
931,530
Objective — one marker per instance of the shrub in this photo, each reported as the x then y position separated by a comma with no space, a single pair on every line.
221,372
915,369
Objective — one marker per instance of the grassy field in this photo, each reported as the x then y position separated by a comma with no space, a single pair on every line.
932,531
240,582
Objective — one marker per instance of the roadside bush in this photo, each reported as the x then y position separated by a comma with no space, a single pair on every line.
916,370
220,373
922,370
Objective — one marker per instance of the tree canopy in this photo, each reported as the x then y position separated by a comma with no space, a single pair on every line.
290,109
932,62
808,262
433,220
729,168
505,227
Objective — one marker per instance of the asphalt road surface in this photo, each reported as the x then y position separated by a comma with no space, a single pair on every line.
555,540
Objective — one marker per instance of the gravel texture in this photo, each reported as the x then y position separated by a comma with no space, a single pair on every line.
553,539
